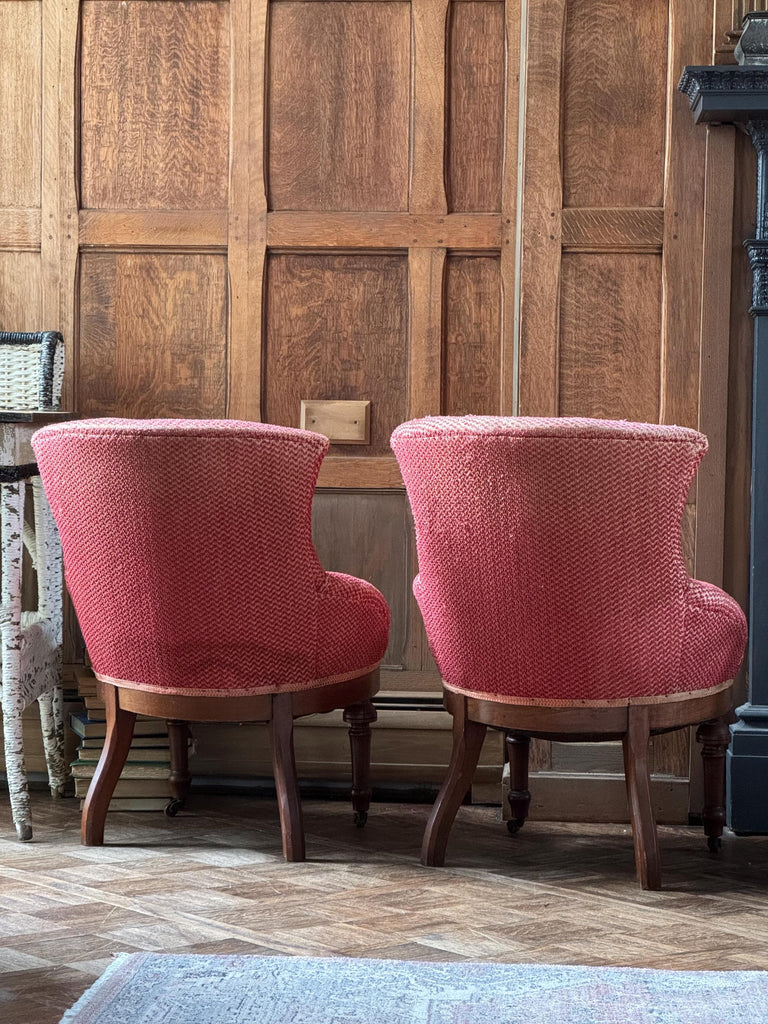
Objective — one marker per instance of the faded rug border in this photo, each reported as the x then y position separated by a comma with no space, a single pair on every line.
144,988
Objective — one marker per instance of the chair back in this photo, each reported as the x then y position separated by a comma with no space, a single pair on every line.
188,550
31,370
550,561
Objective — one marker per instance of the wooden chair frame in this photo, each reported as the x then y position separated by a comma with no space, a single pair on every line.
279,710
633,724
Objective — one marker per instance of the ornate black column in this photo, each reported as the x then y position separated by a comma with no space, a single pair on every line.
739,95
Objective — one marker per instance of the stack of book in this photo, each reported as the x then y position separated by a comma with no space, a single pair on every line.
144,783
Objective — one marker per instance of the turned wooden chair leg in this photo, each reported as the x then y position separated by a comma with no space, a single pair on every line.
178,738
638,779
518,747
359,718
116,746
468,739
286,779
714,737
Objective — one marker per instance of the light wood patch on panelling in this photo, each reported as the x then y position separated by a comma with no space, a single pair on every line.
367,535
336,329
20,229
610,329
341,471
152,335
20,98
476,106
613,230
472,350
339,106
155,104
614,103
382,230
20,292
207,229
155,229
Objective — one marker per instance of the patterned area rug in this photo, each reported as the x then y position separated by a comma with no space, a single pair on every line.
148,988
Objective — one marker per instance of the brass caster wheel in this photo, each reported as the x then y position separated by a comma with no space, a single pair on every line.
514,825
173,807
360,818
714,843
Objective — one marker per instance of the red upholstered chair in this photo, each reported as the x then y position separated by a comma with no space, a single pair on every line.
557,603
188,554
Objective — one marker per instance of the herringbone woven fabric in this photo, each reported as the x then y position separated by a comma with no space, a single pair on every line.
188,554
550,562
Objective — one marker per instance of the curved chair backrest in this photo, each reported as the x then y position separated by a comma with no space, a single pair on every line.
31,369
188,550
550,562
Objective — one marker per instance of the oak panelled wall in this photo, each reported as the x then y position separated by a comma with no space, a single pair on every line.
436,205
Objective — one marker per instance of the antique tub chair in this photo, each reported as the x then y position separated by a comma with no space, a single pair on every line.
557,603
189,558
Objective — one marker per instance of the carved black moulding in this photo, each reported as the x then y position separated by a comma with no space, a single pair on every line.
757,251
752,47
726,94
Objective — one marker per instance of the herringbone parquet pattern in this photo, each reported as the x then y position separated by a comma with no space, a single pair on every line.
213,880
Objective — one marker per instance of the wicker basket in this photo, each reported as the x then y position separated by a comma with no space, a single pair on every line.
31,370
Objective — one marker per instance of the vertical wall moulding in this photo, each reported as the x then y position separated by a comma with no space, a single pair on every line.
514,119
429,20
247,242
682,255
59,200
740,95
59,216
541,212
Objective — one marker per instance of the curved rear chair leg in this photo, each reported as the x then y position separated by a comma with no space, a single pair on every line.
647,858
116,746
359,718
468,739
518,747
178,738
714,737
286,779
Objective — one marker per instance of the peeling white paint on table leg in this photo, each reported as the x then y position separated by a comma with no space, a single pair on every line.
11,547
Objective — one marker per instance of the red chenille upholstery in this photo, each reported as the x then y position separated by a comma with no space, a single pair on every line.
189,558
557,603
188,555
550,562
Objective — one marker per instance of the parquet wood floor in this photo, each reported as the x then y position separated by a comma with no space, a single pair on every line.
213,880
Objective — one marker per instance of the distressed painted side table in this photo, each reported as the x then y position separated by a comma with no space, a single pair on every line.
30,641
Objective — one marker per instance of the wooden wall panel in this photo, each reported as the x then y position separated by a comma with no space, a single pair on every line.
20,291
336,329
20,103
614,103
472,339
475,106
152,335
155,104
610,336
367,534
339,106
